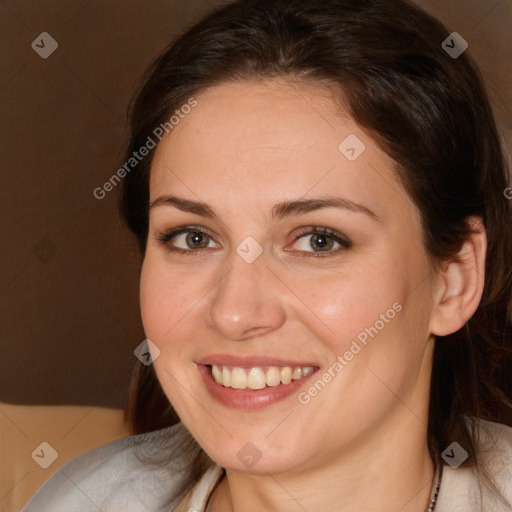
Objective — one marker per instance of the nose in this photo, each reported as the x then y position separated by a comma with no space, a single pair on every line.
247,301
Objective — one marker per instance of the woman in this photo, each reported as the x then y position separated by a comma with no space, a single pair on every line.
317,193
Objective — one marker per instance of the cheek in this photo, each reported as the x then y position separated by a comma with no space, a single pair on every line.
152,302
165,302
347,304
167,312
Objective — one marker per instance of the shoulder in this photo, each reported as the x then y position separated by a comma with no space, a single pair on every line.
136,473
468,488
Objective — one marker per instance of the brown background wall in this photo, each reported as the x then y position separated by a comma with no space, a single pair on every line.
68,285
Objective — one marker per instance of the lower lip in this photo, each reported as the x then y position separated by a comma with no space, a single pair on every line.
242,399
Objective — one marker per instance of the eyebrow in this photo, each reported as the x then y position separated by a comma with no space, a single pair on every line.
279,210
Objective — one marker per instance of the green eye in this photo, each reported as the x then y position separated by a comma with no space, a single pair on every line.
194,240
322,241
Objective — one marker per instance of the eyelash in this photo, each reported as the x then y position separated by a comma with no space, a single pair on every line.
345,243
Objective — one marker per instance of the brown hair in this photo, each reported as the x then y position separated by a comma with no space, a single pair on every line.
428,111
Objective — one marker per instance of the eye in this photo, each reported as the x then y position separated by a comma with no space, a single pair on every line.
191,239
320,241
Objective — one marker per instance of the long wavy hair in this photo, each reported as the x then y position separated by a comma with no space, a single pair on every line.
428,111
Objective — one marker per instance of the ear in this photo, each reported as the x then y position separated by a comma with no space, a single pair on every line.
461,283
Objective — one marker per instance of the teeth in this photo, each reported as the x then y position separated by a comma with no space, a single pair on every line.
226,377
286,375
256,378
217,374
273,376
297,373
307,371
238,378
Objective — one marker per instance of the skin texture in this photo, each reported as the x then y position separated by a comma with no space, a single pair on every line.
360,443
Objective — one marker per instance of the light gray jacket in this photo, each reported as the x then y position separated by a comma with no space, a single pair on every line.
124,476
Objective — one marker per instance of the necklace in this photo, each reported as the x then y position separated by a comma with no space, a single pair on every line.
434,493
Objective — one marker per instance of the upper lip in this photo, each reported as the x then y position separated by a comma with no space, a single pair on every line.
250,361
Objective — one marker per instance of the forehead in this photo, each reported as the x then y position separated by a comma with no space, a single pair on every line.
259,142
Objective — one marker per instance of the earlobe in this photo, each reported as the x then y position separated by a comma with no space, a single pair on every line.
461,283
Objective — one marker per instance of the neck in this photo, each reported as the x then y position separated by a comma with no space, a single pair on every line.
383,474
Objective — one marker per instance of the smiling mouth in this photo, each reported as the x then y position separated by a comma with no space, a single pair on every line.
257,377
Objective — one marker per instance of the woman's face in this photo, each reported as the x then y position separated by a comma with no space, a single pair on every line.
271,280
